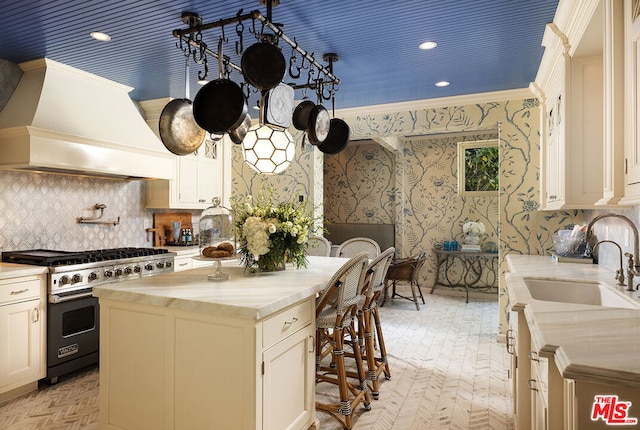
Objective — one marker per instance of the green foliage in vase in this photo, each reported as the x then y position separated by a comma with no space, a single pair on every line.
272,233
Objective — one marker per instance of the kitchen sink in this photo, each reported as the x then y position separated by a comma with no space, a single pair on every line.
579,292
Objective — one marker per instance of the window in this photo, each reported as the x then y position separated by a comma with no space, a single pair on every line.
478,168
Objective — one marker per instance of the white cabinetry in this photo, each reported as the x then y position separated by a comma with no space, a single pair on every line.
632,102
22,332
199,177
163,368
579,84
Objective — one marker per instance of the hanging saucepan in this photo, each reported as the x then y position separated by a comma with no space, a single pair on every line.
318,125
301,114
220,105
237,134
263,65
337,139
179,131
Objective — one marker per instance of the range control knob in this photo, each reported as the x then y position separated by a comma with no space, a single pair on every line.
168,264
128,270
93,276
108,273
76,278
160,265
118,272
64,280
137,269
148,266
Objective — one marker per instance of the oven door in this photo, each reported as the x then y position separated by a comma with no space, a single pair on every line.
73,335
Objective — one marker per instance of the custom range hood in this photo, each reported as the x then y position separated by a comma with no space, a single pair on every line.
64,120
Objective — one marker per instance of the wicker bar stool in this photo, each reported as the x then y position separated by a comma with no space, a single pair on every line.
377,274
405,270
335,311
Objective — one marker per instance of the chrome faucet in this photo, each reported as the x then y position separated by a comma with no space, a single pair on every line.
620,272
633,264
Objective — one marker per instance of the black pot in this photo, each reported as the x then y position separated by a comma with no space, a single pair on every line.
301,115
338,137
263,65
219,106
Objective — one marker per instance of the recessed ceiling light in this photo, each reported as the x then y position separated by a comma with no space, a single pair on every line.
442,84
427,45
102,37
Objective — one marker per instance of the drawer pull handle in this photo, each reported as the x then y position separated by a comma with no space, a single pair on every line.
182,264
510,345
533,356
531,383
15,293
292,321
36,315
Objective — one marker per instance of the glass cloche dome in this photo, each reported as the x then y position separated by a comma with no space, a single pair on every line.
217,232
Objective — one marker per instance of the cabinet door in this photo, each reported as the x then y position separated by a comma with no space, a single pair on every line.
188,179
20,336
632,90
288,382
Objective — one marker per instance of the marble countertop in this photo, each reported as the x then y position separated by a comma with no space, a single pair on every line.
587,342
13,270
252,296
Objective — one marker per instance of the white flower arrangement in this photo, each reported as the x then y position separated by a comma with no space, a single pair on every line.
271,233
473,227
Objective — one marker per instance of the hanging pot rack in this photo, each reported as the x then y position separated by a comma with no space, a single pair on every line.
192,36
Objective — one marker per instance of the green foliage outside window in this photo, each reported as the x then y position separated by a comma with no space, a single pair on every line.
481,169
478,168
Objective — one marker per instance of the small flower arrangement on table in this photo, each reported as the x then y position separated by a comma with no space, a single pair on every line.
474,228
271,233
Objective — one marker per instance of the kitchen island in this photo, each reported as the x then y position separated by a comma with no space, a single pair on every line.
180,352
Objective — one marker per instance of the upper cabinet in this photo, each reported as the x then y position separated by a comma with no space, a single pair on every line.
632,101
580,87
200,176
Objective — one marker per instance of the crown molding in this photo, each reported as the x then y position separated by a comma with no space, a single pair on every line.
467,99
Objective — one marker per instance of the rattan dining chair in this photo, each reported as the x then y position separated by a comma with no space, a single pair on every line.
336,309
352,247
319,246
405,270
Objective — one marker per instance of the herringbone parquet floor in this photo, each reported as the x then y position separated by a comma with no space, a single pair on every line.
448,372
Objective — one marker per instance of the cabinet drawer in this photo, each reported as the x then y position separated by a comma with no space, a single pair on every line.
286,323
19,291
180,264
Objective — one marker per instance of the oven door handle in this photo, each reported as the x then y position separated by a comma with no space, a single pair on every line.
54,298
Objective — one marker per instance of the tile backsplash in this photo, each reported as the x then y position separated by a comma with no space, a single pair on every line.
42,211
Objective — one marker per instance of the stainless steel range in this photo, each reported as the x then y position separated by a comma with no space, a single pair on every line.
73,314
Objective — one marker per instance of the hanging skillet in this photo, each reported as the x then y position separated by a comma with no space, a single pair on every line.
318,125
301,114
179,131
220,105
263,65
337,139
